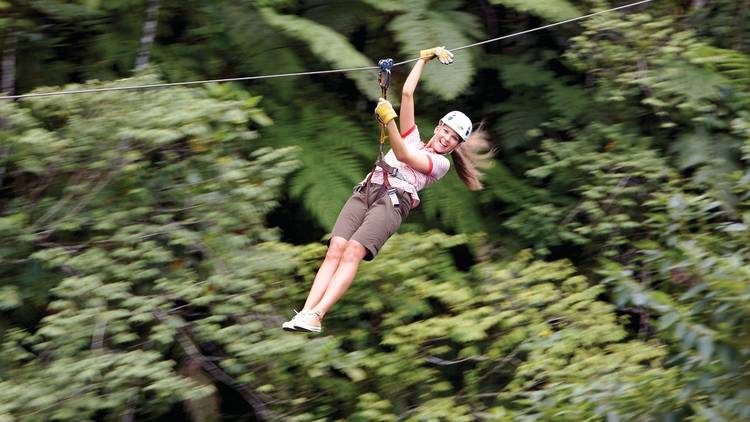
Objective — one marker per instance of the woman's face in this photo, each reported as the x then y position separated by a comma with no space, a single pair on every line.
445,139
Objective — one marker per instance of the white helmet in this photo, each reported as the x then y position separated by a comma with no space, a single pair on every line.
458,122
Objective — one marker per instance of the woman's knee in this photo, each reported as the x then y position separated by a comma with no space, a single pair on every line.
354,251
336,247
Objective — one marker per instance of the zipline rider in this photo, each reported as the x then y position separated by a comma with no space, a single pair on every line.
379,204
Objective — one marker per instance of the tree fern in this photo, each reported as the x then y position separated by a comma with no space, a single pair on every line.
692,83
538,96
734,64
551,10
332,151
387,5
219,42
518,117
425,26
328,45
351,19
451,204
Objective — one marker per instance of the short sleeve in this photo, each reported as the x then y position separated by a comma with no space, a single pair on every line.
440,165
410,133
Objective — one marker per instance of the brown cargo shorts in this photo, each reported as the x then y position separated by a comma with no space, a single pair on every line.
371,222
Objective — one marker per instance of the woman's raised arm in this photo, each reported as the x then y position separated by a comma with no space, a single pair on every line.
406,120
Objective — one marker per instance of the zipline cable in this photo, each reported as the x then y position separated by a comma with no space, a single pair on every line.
315,72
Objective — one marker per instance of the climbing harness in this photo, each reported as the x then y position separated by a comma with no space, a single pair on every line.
384,80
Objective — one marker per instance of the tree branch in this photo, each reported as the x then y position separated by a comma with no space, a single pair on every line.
192,351
97,339
437,361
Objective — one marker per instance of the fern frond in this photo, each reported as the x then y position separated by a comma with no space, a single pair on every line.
451,204
734,64
692,82
519,115
551,10
386,5
540,95
334,153
502,185
328,45
701,148
424,27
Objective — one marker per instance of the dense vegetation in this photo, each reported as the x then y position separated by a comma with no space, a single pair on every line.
153,241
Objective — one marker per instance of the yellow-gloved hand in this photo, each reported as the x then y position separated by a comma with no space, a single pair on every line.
385,111
443,55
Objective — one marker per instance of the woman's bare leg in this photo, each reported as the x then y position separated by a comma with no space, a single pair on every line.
353,254
326,271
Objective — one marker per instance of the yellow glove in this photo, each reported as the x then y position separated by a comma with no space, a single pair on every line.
443,55
385,111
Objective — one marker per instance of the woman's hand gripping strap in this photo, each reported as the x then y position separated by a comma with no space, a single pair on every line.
384,111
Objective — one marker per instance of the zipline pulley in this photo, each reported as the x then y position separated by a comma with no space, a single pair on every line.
384,75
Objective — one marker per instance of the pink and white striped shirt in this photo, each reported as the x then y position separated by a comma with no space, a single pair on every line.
439,166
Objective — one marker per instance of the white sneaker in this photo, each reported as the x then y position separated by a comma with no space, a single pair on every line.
303,321
289,325
307,321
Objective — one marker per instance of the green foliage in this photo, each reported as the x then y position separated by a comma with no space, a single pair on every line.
554,10
539,96
670,247
138,272
509,331
691,274
335,154
327,45
143,204
386,5
452,204
417,339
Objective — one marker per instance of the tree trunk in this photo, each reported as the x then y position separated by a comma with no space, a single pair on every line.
739,40
8,83
490,18
149,33
698,4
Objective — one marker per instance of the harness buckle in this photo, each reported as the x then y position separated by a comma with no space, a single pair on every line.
394,197
387,168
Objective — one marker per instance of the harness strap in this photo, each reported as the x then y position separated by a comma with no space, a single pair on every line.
390,171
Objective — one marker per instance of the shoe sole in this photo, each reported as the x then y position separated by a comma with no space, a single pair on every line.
307,328
288,327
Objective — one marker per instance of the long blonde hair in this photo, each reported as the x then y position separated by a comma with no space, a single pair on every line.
472,155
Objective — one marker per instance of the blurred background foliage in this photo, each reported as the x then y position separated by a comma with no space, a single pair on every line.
152,241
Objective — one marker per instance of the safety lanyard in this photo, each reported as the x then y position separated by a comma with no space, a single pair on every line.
384,80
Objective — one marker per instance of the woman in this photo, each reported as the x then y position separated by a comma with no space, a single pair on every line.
375,212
